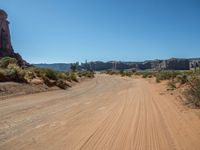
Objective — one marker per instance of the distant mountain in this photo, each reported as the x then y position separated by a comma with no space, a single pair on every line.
56,66
168,64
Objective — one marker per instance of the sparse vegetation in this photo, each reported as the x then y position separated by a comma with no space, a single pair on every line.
176,79
147,74
89,74
193,93
172,85
11,71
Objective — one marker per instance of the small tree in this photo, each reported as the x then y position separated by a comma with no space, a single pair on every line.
74,67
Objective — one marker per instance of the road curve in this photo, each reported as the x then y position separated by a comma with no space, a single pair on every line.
106,113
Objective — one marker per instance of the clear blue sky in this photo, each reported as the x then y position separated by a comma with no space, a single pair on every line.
51,31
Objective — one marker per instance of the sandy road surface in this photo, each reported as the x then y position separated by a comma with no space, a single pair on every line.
104,113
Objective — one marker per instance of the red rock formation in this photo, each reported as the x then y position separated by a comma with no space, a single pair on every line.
5,43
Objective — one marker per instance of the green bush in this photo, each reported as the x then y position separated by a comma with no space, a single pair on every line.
5,61
12,73
62,75
15,73
73,76
49,73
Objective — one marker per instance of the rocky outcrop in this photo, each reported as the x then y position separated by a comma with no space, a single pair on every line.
175,64
169,64
6,48
194,63
149,64
5,43
99,65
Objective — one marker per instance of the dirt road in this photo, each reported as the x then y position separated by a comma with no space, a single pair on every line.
105,113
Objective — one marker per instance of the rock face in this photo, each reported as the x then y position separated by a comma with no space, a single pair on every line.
150,64
175,64
169,64
5,43
194,63
99,65
5,40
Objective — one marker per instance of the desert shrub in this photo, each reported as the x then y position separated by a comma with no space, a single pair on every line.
61,75
193,93
125,73
5,61
144,75
137,73
62,84
172,85
182,79
110,72
91,74
29,74
73,76
167,75
51,74
147,74
68,76
12,73
45,72
15,73
128,74
47,81
2,75
88,74
157,80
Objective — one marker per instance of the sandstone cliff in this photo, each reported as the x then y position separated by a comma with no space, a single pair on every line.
6,48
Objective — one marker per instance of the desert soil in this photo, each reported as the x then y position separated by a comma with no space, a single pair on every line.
105,113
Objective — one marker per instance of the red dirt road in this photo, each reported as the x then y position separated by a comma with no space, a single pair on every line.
105,113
